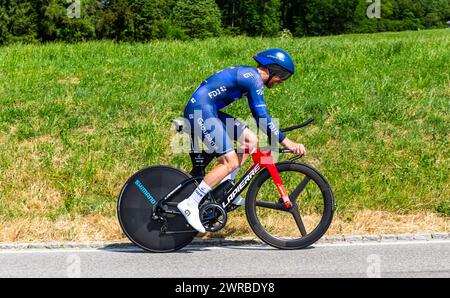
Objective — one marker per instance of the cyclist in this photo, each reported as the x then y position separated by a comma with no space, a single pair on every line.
217,129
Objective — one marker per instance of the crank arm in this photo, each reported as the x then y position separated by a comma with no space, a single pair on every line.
170,210
173,212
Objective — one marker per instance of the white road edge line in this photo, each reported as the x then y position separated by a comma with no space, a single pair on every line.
388,243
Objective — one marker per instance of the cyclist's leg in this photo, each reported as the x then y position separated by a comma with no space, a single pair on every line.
240,133
205,124
227,164
246,139
217,138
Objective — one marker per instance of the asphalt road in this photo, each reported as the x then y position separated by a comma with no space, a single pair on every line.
396,259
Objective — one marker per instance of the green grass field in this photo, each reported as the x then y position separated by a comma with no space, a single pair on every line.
77,120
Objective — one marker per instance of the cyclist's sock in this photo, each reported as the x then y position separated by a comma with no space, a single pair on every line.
202,190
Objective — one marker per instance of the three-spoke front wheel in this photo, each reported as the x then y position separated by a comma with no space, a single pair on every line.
309,218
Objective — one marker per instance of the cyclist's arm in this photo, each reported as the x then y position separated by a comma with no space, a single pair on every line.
258,108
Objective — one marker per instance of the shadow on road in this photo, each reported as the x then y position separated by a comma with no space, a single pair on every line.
130,249
262,248
136,250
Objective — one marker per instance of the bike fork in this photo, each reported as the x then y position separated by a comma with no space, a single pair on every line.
265,159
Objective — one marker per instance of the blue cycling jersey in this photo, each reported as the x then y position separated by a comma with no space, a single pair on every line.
229,85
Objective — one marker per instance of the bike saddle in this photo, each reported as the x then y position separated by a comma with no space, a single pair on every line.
181,125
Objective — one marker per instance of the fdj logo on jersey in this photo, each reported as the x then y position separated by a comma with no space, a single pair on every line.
273,128
217,92
145,192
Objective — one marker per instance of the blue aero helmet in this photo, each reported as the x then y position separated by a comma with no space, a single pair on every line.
277,61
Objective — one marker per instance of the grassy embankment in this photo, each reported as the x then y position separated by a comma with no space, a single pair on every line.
77,120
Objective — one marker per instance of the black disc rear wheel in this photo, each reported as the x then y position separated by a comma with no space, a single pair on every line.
135,208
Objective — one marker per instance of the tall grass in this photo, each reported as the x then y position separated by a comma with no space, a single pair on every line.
77,120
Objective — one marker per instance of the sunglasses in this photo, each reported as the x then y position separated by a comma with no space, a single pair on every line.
279,71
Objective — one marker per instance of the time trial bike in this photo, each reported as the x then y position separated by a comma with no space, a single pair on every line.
288,205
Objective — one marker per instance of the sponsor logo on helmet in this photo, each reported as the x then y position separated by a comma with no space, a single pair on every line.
278,56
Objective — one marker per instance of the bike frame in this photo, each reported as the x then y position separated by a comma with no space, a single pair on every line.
262,159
